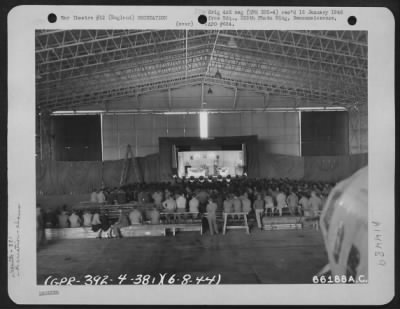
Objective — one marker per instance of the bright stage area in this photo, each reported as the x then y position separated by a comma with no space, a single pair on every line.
287,256
210,163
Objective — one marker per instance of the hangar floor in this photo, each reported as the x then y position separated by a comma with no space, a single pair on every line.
280,256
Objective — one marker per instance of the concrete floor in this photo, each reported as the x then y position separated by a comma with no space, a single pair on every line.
285,256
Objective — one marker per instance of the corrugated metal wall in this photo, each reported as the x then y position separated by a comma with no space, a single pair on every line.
278,132
358,130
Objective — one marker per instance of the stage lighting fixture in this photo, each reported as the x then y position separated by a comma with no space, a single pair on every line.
218,75
209,91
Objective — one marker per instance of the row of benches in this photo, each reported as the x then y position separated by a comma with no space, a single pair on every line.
129,231
161,229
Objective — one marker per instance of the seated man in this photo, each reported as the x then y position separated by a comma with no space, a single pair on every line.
170,207
135,216
228,204
121,196
269,204
292,202
123,221
74,220
101,199
303,203
157,198
246,204
96,223
154,216
93,196
180,203
87,218
181,206
63,218
237,204
194,206
280,201
50,218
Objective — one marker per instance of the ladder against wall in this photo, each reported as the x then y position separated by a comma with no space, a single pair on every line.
128,161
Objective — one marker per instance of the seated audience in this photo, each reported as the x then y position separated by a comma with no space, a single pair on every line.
105,226
135,216
154,216
74,220
87,218
170,207
269,204
292,202
121,196
50,218
303,203
96,223
93,196
246,203
228,204
202,196
237,204
194,206
63,218
180,203
157,198
100,197
280,201
123,221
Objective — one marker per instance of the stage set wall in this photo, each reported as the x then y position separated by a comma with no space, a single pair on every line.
278,132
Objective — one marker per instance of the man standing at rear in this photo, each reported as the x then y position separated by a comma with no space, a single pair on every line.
259,210
212,216
281,201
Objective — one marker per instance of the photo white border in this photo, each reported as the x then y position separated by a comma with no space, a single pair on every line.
22,287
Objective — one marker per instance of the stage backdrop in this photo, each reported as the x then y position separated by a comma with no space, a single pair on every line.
167,167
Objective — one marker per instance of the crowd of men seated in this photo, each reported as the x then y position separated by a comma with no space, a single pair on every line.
258,197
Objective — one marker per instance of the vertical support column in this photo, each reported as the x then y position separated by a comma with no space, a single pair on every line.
102,137
300,150
46,136
359,131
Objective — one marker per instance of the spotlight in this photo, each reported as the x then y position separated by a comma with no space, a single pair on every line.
209,91
218,75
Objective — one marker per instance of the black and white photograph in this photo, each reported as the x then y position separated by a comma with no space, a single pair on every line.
198,157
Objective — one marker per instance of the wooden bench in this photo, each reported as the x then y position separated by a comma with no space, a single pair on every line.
185,227
244,224
144,230
282,223
69,233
